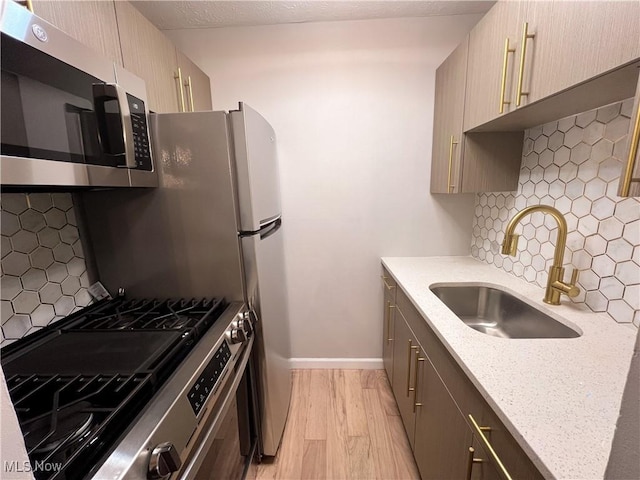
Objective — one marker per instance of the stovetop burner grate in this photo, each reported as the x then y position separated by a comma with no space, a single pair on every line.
64,419
79,384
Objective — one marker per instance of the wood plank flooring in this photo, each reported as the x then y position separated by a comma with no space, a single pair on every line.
343,424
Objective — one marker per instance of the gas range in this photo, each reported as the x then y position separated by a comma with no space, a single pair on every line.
93,391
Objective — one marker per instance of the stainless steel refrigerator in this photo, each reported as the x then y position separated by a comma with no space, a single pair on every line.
212,228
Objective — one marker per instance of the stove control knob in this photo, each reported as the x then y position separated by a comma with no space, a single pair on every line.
237,335
164,461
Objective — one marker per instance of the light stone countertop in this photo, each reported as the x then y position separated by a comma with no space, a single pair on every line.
559,398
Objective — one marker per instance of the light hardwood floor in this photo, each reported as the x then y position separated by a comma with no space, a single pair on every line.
343,424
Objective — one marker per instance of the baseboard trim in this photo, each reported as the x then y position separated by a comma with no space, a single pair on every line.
337,363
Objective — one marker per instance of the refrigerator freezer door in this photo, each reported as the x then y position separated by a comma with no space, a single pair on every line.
256,169
264,266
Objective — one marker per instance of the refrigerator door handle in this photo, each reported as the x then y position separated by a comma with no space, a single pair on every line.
270,229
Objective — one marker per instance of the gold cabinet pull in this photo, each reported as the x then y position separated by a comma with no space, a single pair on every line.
452,142
384,280
492,452
627,178
28,4
389,337
180,87
190,90
523,54
389,307
471,459
409,349
503,83
415,380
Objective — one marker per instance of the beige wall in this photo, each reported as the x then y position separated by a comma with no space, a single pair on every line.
352,105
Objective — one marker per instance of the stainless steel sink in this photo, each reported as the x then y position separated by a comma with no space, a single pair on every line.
500,314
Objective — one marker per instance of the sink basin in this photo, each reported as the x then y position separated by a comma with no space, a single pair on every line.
500,314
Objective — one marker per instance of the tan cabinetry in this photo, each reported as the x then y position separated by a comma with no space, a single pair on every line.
196,85
571,42
388,318
91,22
524,52
149,54
492,64
404,372
448,143
475,162
453,431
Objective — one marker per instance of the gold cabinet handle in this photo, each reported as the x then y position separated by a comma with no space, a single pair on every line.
190,93
503,83
415,380
523,54
409,349
384,280
492,452
471,459
28,4
388,322
180,83
452,142
627,178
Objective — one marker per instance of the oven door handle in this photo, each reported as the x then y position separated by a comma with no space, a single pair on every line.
191,470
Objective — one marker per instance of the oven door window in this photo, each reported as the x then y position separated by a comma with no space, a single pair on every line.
49,111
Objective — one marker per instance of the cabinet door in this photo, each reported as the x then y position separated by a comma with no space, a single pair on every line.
149,54
576,41
442,437
447,126
92,23
195,84
485,66
404,346
480,466
388,317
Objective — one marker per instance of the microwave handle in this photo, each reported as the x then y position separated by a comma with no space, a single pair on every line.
103,92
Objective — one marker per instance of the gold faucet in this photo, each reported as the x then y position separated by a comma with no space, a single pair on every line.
556,286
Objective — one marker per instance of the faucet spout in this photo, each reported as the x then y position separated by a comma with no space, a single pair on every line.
555,284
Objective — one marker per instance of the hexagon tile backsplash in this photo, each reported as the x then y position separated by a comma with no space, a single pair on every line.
573,164
44,275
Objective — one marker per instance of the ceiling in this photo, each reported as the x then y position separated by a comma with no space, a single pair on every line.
173,15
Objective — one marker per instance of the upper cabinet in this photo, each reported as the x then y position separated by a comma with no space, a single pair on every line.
447,129
492,63
523,52
474,162
196,87
150,55
570,42
119,31
91,22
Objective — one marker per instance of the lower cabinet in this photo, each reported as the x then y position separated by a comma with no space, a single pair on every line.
442,436
388,318
453,431
405,360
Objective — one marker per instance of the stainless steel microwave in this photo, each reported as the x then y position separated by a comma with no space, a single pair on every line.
70,117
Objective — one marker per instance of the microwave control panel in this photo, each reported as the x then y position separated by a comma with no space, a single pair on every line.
140,133
206,384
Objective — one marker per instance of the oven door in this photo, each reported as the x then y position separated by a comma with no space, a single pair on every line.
226,447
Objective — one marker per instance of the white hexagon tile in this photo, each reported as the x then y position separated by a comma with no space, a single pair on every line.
574,165
44,273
